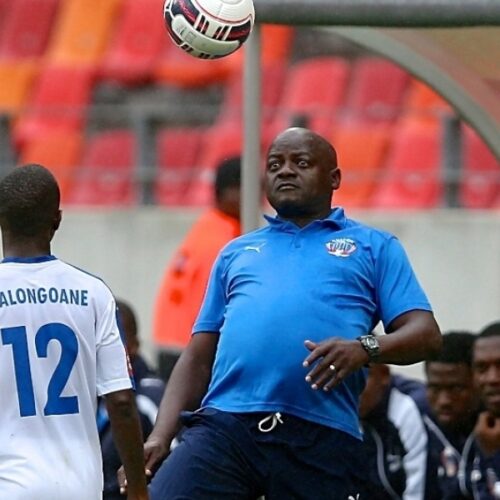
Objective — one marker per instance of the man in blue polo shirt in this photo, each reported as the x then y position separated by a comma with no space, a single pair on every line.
275,364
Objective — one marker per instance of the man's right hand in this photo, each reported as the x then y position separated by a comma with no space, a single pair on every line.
487,433
155,451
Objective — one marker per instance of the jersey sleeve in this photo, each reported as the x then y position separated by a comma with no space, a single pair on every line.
398,290
211,315
404,414
114,372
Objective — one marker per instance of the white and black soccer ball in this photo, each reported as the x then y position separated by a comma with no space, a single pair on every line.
209,29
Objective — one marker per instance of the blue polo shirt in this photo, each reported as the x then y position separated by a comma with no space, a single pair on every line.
273,288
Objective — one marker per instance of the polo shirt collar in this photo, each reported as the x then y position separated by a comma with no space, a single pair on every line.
29,260
336,219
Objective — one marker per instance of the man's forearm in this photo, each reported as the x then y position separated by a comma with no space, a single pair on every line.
185,389
127,435
413,338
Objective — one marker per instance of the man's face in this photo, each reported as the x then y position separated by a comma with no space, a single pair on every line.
450,392
487,371
300,175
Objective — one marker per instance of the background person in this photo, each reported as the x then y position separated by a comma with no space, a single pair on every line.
394,439
454,407
183,285
276,358
485,472
149,390
60,347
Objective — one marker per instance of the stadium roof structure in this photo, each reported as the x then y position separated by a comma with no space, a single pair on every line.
452,45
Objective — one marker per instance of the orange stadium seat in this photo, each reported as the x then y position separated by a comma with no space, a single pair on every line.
82,30
106,174
361,150
376,90
480,184
315,90
16,82
60,152
276,46
176,67
177,156
59,101
26,28
136,44
412,170
423,104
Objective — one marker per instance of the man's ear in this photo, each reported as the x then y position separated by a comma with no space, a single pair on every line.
57,220
336,178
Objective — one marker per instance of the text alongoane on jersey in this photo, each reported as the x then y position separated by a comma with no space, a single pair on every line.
43,295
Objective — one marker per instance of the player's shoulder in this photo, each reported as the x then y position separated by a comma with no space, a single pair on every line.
256,237
83,276
369,231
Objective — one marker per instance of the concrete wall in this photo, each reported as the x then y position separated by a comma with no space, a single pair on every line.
455,254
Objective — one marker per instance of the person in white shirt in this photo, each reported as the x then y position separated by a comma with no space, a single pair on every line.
60,348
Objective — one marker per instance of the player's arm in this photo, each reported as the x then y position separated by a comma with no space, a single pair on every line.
186,387
414,336
127,435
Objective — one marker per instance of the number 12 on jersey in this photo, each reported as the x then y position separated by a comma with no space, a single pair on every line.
55,403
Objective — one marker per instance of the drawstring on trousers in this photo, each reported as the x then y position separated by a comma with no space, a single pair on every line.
273,420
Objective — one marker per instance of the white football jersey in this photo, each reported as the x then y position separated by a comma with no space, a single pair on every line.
60,347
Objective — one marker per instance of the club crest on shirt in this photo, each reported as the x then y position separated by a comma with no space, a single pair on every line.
341,247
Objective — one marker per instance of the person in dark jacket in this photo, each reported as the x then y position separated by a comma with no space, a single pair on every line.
149,391
454,406
484,474
394,440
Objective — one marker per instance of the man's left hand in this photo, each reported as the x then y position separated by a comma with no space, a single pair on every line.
332,361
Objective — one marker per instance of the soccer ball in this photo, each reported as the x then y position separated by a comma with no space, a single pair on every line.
209,29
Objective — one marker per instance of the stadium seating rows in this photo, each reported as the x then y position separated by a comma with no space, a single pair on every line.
385,124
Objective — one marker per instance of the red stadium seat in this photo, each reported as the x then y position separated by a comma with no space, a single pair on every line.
81,31
361,150
59,101
106,174
60,152
273,82
177,156
315,91
480,184
26,28
496,203
219,143
376,91
4,11
136,44
412,172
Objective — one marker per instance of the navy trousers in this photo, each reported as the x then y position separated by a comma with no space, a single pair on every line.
225,456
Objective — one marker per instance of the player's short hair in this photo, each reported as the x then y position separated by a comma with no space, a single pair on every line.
491,330
456,349
29,200
228,175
